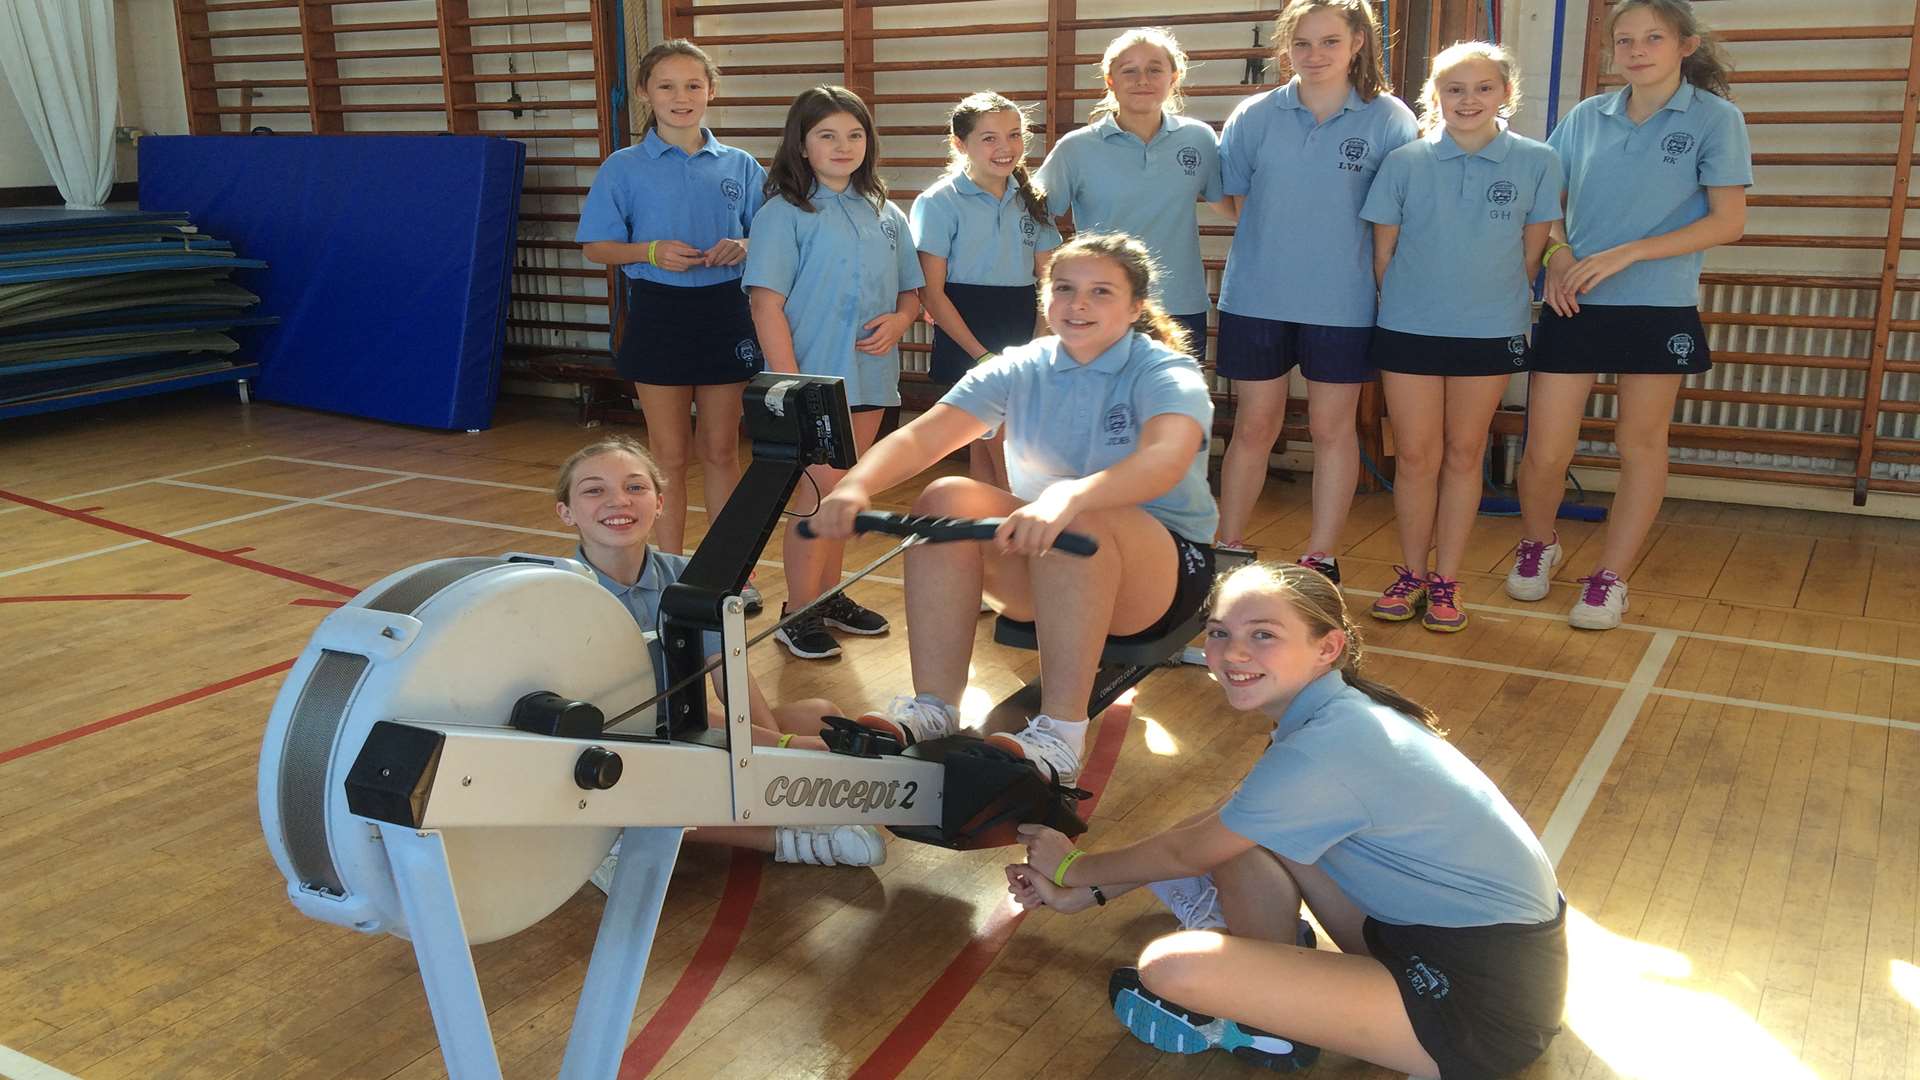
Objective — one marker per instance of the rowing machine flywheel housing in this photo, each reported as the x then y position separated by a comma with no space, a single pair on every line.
456,642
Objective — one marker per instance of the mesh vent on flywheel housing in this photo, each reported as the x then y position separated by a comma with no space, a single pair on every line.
311,731
404,596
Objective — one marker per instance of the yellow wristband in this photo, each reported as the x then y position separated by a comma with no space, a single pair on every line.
651,244
784,740
1552,250
1060,872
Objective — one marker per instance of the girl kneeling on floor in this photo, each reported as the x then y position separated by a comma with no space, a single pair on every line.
1106,434
1452,953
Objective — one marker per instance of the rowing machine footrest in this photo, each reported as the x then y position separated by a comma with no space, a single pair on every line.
989,792
844,736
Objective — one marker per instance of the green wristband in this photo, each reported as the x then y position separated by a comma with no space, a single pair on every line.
1060,872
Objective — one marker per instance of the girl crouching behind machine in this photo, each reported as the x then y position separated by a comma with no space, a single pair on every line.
610,493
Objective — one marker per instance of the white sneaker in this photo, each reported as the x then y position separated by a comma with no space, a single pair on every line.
1532,575
915,719
1045,742
1603,599
1193,900
829,845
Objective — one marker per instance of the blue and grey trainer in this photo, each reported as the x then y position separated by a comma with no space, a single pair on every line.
1168,1027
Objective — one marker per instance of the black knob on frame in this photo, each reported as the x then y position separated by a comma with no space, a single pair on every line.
598,769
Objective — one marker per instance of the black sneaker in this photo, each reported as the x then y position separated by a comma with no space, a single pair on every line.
807,637
1176,1030
842,613
1323,563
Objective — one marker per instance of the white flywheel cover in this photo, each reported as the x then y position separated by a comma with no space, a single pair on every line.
455,641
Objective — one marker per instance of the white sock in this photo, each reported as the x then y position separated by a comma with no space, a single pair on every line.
1073,733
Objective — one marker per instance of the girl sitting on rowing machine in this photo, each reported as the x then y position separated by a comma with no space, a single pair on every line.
1107,424
611,493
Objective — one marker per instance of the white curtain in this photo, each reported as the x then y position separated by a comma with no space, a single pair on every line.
58,58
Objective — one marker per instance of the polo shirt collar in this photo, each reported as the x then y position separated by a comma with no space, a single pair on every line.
1288,97
655,145
1109,125
649,579
964,185
1311,698
848,194
1446,149
1681,101
1112,360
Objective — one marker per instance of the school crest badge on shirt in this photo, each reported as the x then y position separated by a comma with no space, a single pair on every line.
731,190
1352,152
1189,159
891,232
1675,145
1119,425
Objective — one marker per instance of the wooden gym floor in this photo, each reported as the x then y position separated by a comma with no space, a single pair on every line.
1727,785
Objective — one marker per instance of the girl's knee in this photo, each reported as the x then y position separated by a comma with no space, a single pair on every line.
1464,454
1171,966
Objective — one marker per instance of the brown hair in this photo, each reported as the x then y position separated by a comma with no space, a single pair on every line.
1708,68
1319,604
966,116
1452,57
1367,73
563,484
1160,38
1131,256
651,60
792,178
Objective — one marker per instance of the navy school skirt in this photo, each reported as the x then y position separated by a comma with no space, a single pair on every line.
678,335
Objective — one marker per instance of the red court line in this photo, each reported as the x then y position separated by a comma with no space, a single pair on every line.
144,710
94,596
314,601
194,549
88,509
696,981
921,1022
237,551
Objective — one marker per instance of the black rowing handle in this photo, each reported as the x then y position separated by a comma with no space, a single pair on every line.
941,529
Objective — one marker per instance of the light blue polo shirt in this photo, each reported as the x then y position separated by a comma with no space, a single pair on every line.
642,601
1407,827
1460,266
654,190
986,241
839,267
1066,420
1626,182
1113,182
1301,253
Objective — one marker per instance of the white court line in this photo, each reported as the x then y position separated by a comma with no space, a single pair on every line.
15,1065
290,504
137,483
1697,635
1606,746
434,476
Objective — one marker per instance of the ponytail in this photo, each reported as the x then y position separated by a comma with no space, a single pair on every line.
1162,327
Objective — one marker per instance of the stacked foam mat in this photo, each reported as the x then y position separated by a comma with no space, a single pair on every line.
97,305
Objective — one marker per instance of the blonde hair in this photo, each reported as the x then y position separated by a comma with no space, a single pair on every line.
1708,68
563,484
1160,38
1319,604
960,124
1453,56
1131,256
664,50
1367,73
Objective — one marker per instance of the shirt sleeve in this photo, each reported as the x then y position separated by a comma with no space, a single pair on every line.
1726,155
1214,189
602,217
934,224
1387,196
1404,128
1289,805
984,390
906,259
773,259
1237,145
1047,237
1056,179
1547,195
756,193
1178,388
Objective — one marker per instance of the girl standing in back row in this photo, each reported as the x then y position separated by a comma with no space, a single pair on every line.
672,214
1138,168
1470,204
1299,289
1657,173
